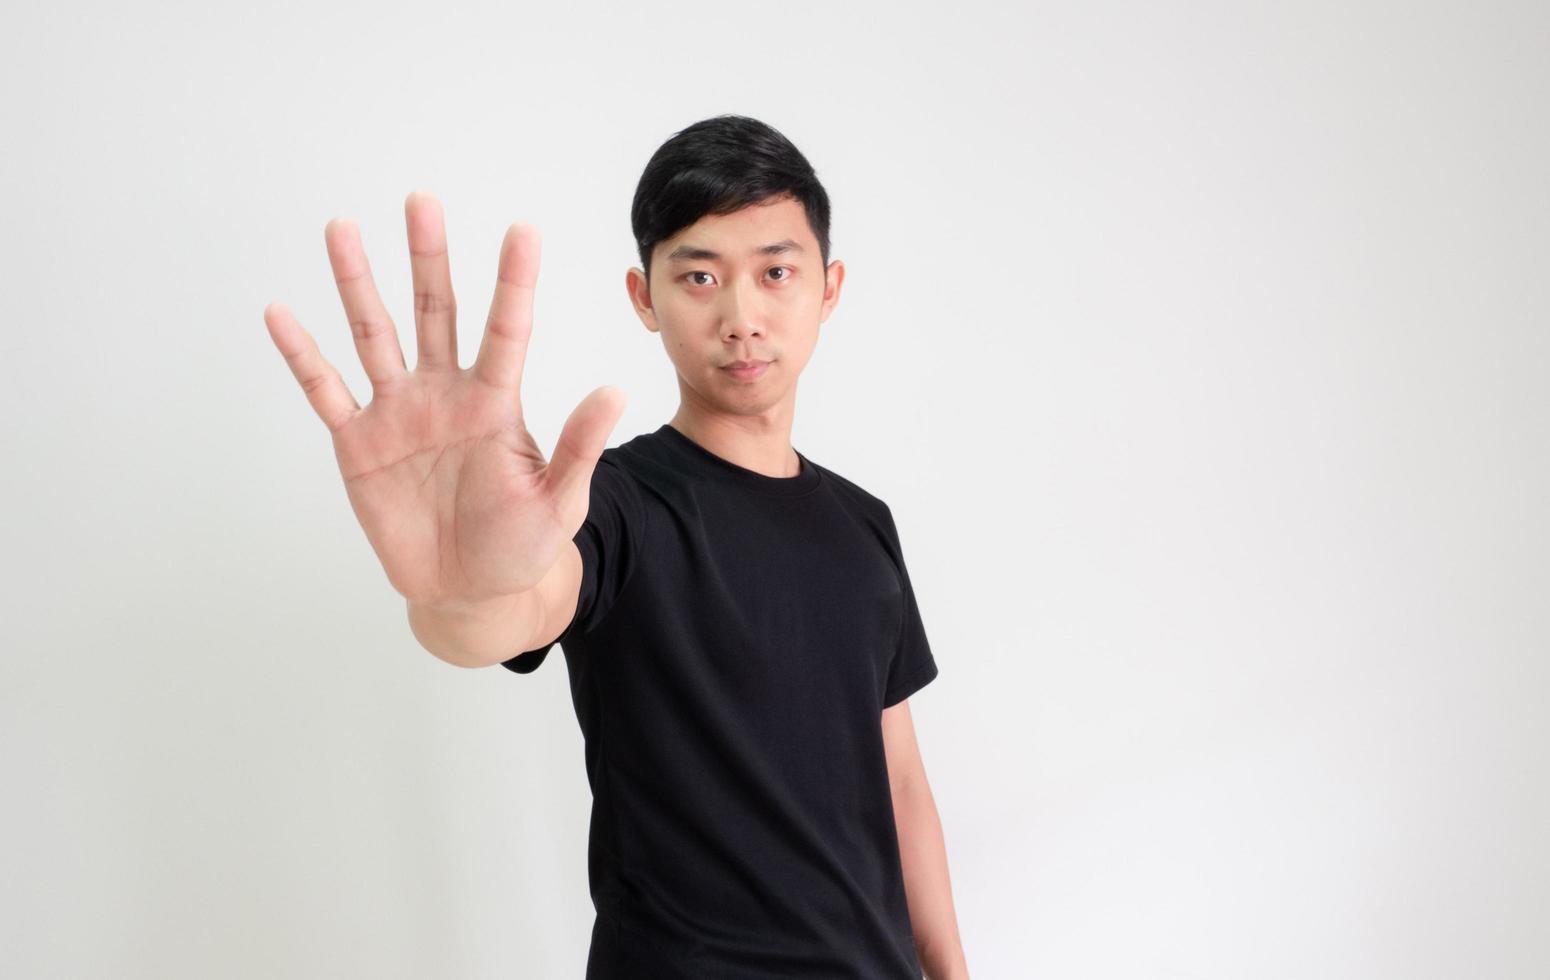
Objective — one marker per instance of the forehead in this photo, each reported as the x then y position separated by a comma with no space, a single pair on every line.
736,234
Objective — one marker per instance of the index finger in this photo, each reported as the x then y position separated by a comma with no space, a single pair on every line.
503,350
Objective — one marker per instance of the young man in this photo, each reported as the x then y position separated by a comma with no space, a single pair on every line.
738,624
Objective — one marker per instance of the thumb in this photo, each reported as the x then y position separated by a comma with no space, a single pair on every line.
582,440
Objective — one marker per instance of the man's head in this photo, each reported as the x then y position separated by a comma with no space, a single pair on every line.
732,225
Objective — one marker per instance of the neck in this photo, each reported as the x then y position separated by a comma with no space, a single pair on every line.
754,442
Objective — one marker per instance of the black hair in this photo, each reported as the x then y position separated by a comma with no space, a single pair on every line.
717,166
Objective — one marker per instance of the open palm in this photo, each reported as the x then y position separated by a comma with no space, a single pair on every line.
453,493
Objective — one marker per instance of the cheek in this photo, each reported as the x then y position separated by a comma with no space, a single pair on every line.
683,317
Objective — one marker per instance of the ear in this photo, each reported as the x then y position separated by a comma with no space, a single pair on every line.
833,276
640,297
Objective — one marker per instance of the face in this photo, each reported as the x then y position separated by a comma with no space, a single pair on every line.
746,286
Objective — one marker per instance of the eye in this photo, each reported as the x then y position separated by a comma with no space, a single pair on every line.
690,275
783,268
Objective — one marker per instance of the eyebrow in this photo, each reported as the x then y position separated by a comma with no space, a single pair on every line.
687,252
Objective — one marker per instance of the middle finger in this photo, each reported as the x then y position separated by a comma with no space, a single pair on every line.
435,309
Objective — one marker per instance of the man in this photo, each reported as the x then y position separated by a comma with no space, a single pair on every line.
737,621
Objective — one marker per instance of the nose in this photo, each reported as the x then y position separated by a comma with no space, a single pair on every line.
740,314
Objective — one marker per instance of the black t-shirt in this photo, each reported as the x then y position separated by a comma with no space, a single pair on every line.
736,639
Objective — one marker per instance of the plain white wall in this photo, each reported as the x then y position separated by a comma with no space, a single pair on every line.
1200,350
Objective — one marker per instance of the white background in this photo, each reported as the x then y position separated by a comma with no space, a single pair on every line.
1199,349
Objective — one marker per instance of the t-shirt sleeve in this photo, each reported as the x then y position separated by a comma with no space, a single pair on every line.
913,666
608,540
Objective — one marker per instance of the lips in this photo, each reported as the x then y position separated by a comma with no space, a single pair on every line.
746,370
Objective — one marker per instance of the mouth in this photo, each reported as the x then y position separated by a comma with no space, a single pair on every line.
745,370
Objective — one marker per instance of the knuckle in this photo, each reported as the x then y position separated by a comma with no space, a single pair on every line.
430,302
314,383
364,328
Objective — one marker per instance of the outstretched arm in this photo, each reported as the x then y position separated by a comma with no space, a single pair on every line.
922,851
473,525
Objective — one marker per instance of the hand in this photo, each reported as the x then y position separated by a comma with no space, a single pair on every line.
453,493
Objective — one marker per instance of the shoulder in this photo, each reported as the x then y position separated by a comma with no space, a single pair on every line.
615,471
852,493
866,508
636,470
615,492
639,462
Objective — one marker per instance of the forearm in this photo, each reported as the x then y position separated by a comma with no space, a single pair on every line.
928,891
